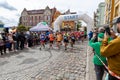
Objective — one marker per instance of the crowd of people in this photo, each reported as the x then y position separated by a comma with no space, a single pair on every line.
104,41
19,40
106,48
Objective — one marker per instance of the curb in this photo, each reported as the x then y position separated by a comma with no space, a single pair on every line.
87,64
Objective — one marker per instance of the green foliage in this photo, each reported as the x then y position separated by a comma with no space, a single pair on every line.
27,28
21,28
79,25
4,30
13,28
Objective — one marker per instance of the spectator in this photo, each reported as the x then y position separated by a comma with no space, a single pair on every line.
99,67
30,40
90,35
14,41
112,52
1,44
22,40
101,30
7,43
18,40
10,38
4,40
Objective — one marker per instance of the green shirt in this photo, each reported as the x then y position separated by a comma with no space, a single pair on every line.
96,47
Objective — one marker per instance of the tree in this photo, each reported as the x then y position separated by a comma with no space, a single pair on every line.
21,28
79,25
27,28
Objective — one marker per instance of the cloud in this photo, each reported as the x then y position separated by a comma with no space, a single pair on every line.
7,6
17,14
8,22
81,6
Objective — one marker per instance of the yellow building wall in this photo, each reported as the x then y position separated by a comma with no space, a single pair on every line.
110,11
117,9
107,11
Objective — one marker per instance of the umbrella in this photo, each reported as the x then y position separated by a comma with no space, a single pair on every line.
42,26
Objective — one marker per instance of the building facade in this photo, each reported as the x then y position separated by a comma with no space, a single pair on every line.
99,15
116,10
33,17
112,11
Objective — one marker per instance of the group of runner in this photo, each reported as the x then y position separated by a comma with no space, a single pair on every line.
59,38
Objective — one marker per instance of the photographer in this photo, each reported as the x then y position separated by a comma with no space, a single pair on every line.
111,50
99,67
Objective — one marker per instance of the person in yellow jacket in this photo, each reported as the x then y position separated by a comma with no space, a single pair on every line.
112,52
59,39
51,39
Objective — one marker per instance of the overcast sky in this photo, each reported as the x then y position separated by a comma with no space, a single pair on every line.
10,10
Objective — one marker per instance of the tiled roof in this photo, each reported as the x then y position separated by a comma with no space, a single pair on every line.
35,11
41,11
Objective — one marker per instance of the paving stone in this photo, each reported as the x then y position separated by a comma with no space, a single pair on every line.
62,65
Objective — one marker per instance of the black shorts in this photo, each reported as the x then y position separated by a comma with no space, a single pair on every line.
51,42
59,41
66,41
73,40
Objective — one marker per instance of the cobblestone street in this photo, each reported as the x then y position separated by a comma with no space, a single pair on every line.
33,64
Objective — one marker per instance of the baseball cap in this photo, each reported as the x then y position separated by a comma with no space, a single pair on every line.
101,35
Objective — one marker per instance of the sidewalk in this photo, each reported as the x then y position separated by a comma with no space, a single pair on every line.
90,75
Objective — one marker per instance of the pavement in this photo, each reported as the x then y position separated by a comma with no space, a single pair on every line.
90,73
48,64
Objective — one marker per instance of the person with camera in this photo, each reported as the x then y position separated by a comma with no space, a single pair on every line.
99,67
111,50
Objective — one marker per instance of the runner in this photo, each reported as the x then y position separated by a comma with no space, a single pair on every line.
47,37
42,40
51,39
66,39
82,36
72,39
59,38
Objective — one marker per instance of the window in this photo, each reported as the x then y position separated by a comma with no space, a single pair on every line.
39,17
24,18
35,18
116,11
48,18
45,17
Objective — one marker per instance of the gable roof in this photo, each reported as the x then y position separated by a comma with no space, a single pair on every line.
30,12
